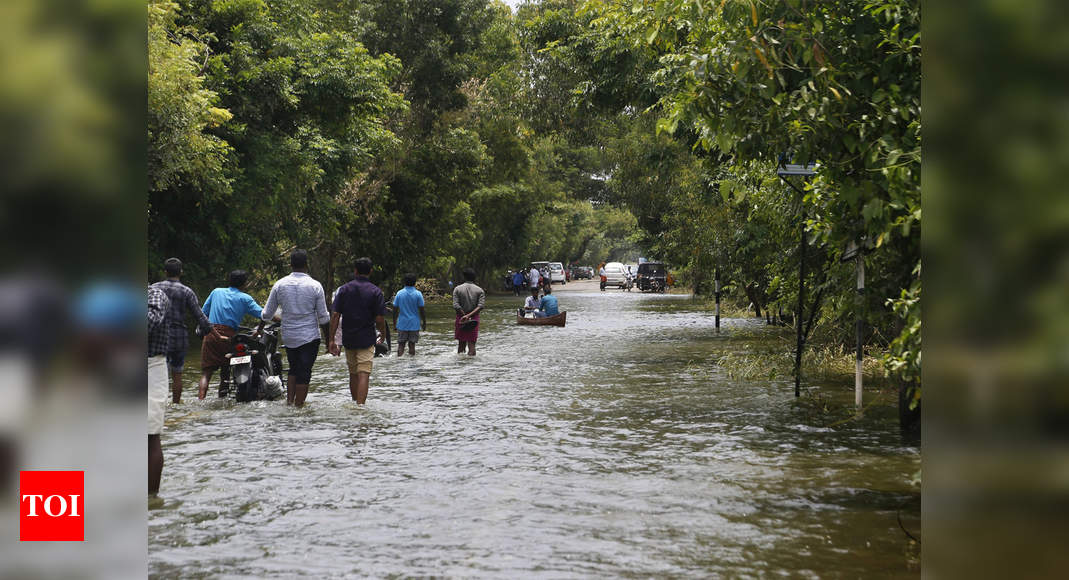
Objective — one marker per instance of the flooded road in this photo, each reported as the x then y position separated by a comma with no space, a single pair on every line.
613,447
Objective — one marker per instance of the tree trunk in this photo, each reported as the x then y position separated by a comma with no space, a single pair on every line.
909,420
328,279
751,293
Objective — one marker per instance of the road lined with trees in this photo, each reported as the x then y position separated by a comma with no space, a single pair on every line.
434,135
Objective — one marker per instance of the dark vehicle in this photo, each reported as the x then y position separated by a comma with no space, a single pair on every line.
254,368
582,272
652,277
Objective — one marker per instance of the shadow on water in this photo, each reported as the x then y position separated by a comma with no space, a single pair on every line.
614,446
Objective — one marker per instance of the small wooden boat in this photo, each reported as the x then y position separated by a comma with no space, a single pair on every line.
555,320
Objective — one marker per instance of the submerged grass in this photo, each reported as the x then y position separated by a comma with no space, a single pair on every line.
820,362
827,377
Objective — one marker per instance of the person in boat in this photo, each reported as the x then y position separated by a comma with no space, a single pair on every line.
549,305
533,304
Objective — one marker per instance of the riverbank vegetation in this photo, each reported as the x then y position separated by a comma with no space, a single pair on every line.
434,135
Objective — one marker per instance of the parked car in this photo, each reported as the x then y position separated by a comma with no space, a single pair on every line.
615,275
652,277
556,273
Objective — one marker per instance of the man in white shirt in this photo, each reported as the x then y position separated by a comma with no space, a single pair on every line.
533,304
304,316
534,278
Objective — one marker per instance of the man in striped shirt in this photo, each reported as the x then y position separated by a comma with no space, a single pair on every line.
304,317
183,300
158,346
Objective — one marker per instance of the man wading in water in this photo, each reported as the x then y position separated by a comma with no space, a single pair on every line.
468,301
182,299
360,307
225,308
304,316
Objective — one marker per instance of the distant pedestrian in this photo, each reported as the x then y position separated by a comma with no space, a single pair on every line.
468,301
360,308
517,282
182,300
225,308
409,315
534,278
304,317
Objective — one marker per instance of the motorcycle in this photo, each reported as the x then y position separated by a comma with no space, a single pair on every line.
629,282
254,368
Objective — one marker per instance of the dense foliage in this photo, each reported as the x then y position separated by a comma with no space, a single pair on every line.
433,135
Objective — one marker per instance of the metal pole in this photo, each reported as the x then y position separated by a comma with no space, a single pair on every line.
801,287
717,287
860,322
801,302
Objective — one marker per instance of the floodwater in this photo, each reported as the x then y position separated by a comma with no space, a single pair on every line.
614,447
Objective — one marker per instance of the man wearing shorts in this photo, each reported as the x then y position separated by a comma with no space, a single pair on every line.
225,308
158,345
304,316
183,300
409,315
361,308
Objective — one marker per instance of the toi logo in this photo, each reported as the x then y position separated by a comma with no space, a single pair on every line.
51,506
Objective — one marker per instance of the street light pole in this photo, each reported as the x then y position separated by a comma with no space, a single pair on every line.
855,250
801,299
805,171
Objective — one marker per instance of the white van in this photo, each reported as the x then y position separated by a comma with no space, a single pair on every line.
556,273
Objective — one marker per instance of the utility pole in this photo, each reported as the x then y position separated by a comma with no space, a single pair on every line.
716,286
860,322
806,171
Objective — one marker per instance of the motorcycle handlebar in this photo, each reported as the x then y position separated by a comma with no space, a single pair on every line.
268,326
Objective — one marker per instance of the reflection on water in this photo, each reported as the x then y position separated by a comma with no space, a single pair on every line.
614,446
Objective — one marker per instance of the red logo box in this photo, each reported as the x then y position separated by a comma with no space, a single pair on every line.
52,506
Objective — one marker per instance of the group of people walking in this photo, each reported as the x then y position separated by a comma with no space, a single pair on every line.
529,280
357,310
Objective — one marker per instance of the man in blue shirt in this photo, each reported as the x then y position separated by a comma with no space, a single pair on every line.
517,282
549,302
225,308
409,316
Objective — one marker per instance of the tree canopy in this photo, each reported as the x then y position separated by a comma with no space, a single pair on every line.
435,135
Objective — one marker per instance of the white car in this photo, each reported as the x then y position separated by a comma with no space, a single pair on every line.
615,275
556,273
